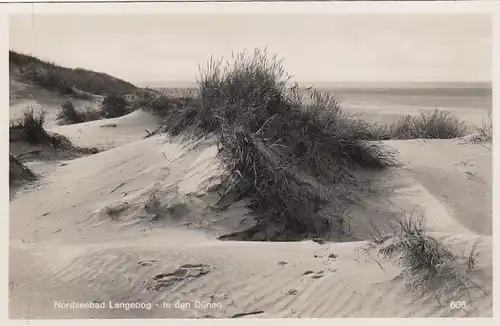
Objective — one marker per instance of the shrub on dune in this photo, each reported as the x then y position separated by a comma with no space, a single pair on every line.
114,106
72,115
30,128
419,251
485,132
429,267
439,124
281,150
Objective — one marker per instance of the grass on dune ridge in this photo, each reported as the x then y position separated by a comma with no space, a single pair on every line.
30,129
430,268
439,124
73,115
283,152
77,82
291,154
112,106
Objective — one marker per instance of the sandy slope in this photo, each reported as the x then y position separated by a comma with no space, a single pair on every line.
109,133
458,174
134,224
24,96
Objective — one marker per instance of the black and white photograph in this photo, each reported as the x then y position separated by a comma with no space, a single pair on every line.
250,165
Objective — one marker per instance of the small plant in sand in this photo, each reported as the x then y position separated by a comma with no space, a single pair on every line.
72,115
439,124
30,128
485,132
429,267
282,151
114,106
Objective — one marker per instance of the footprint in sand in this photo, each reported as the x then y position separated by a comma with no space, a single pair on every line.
319,274
316,275
470,175
182,275
148,262
218,296
332,256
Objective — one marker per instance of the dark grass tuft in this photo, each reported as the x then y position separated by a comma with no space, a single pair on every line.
114,106
69,113
429,267
282,151
484,133
418,250
30,128
72,115
439,124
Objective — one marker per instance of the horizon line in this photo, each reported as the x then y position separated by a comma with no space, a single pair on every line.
347,84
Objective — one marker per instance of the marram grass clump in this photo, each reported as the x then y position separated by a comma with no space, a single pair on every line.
30,128
69,113
282,151
430,268
439,124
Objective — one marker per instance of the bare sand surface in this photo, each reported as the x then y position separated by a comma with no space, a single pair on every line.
135,224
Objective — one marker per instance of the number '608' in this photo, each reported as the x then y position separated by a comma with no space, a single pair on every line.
458,304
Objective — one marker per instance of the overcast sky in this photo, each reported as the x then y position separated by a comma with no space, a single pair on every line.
319,48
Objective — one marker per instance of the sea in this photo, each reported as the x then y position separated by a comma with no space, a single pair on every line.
385,102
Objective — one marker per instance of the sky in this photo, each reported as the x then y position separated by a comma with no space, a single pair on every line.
145,49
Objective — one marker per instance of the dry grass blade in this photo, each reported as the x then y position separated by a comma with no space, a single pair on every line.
471,262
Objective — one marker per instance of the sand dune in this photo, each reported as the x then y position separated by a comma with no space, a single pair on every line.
458,174
137,224
126,256
109,133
